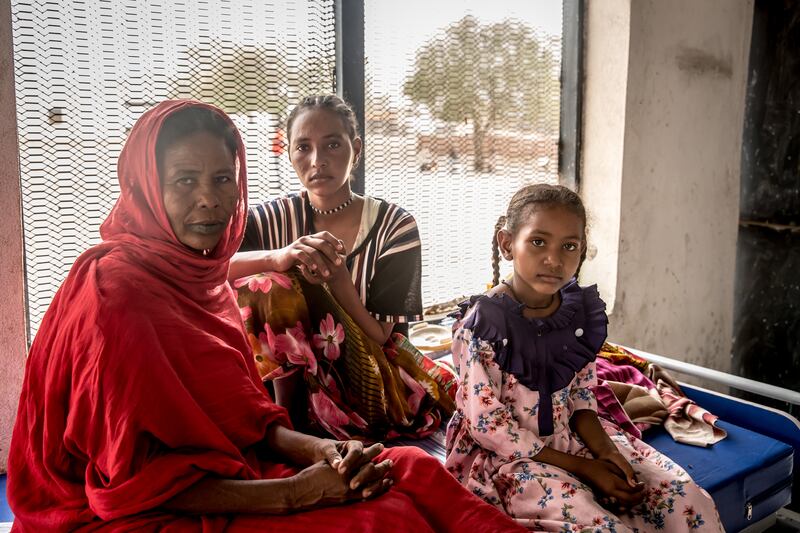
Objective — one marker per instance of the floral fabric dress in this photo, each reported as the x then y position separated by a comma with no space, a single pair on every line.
355,388
521,381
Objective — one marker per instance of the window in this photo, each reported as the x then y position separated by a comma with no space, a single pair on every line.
462,104
462,107
86,69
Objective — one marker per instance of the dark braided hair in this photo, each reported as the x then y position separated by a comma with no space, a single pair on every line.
501,222
332,103
526,201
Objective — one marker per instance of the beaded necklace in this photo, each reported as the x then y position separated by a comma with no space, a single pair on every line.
333,210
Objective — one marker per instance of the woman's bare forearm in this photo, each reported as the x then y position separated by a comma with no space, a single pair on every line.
298,448
214,495
347,296
248,263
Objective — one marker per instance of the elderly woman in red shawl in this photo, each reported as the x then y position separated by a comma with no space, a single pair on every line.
141,406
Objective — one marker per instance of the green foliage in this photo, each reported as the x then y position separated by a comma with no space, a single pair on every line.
488,75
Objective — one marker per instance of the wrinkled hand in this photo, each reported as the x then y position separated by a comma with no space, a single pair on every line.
616,486
354,461
313,254
350,458
320,485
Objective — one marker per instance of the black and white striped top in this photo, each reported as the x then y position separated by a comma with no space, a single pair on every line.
386,263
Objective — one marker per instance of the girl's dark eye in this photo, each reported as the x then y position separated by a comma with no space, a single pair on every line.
570,246
538,242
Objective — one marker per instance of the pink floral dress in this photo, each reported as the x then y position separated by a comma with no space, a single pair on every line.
501,424
354,388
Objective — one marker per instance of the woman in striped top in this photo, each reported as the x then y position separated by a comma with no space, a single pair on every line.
328,281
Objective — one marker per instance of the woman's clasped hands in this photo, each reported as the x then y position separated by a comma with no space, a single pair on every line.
344,472
320,257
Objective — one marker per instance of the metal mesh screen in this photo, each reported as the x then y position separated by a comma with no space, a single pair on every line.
87,69
462,108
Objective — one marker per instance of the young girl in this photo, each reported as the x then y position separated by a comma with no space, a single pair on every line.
526,436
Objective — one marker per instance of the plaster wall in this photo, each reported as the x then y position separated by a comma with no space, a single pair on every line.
680,169
12,305
606,64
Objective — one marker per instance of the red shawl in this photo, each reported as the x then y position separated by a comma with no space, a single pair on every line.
140,380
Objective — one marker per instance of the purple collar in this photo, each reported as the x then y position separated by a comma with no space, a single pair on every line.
544,354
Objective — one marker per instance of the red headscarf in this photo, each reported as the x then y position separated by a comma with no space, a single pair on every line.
140,380
140,221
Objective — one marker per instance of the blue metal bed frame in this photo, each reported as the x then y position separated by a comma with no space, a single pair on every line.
751,473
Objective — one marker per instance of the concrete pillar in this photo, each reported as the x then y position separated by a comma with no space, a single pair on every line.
661,170
13,343
604,105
